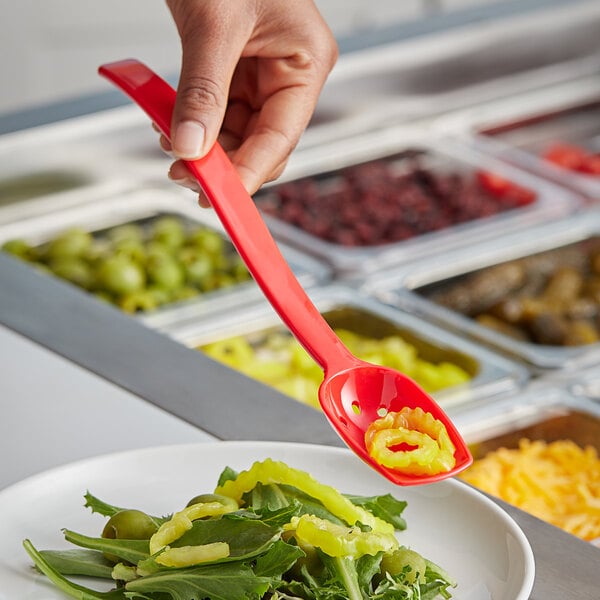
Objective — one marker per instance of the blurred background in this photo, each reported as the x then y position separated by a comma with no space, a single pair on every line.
51,48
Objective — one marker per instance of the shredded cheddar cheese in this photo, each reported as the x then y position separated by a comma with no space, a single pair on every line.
558,482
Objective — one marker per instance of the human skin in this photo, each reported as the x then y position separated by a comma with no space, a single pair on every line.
251,75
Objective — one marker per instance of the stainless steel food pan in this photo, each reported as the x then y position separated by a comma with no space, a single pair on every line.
520,128
459,67
345,307
95,213
546,412
440,155
405,287
74,158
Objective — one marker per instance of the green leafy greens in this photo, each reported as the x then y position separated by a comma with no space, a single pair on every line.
267,554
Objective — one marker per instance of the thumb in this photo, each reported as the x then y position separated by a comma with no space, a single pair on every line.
208,62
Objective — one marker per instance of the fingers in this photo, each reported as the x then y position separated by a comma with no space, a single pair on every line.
289,66
251,75
212,41
179,174
278,128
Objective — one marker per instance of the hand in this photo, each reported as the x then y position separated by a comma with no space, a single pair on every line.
251,75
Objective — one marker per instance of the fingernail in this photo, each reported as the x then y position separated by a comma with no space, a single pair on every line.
188,183
188,140
203,201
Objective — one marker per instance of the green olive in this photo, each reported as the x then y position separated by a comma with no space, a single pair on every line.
73,269
168,231
217,281
73,242
104,297
130,248
208,240
201,498
404,559
156,249
138,301
18,248
199,269
239,270
128,524
164,271
120,275
126,233
184,293
160,294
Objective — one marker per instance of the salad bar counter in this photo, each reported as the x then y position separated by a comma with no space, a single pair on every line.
452,234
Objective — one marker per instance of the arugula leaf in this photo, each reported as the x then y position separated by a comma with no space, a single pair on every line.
274,497
246,538
99,506
278,559
343,577
68,587
108,510
434,571
268,496
279,518
367,568
78,562
385,507
230,581
228,474
128,550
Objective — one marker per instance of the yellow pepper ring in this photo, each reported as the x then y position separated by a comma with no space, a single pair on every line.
187,556
181,522
337,540
429,451
275,472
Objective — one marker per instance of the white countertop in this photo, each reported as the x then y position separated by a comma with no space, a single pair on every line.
55,412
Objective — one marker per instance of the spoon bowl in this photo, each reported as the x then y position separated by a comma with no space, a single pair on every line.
354,393
354,398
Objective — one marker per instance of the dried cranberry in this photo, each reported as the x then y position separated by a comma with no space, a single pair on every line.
373,203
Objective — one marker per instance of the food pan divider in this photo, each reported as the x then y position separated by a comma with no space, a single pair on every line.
400,287
584,381
491,374
442,153
138,205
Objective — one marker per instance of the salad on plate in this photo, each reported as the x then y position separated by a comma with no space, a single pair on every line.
271,531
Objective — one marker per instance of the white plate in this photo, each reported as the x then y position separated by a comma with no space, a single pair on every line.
448,522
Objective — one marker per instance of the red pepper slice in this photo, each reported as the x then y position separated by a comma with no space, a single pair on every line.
567,156
591,165
494,183
504,189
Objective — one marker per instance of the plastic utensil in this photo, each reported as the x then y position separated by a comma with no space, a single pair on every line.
353,393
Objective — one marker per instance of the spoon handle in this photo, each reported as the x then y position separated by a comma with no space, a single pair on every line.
241,219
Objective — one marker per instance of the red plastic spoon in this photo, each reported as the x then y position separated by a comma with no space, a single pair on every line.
354,393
